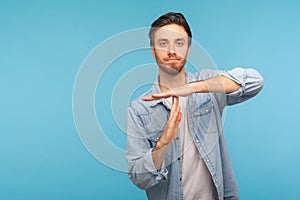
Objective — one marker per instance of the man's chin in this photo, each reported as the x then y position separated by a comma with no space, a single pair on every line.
170,70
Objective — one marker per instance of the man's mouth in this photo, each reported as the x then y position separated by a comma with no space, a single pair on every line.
172,59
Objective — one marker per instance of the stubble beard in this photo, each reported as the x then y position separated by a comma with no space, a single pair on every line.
171,69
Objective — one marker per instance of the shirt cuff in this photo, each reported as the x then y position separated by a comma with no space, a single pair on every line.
162,173
238,76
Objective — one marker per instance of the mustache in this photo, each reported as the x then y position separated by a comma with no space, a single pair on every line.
172,58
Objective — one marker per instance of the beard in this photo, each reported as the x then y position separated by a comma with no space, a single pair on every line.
171,68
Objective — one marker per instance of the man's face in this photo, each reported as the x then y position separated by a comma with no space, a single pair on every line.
170,48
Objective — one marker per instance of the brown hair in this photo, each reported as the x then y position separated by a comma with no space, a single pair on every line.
169,18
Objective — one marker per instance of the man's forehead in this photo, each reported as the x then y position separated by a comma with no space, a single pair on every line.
172,31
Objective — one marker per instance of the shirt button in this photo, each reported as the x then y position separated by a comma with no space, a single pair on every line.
178,158
180,179
206,110
197,141
177,138
157,139
216,180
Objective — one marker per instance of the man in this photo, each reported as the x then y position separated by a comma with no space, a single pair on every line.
175,143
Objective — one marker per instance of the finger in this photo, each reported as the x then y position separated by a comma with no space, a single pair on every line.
174,105
179,117
163,95
176,124
176,127
174,101
175,109
157,96
149,98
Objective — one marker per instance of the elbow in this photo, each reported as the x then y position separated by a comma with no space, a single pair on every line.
257,81
134,176
139,181
261,84
137,178
260,81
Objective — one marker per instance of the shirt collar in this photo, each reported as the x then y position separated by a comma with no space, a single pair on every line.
155,88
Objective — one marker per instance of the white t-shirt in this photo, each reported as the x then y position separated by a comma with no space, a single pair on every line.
196,179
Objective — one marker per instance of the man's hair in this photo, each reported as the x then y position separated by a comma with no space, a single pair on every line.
166,19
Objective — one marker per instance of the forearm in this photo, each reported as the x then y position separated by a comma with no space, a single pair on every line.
158,154
141,169
218,84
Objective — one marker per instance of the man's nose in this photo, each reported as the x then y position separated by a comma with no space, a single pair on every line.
171,49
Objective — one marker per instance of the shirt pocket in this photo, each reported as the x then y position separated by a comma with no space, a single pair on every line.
204,117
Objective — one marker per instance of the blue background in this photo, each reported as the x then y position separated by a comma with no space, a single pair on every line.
43,44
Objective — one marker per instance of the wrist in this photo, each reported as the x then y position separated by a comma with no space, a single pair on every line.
198,86
160,144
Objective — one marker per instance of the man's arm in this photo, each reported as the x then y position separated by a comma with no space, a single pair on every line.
145,164
238,84
218,84
141,169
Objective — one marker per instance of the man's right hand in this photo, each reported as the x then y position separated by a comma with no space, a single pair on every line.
168,135
171,127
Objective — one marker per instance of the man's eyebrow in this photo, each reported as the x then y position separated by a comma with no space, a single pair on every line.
162,39
165,39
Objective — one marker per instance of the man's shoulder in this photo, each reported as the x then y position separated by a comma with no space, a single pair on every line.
140,106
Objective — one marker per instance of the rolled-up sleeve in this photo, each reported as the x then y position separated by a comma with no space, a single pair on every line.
251,83
141,169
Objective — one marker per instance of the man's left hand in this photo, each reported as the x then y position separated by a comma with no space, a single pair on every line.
184,90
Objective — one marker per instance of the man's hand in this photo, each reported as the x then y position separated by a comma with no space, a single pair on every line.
170,132
171,127
184,90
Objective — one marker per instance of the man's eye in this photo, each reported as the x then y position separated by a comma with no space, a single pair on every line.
162,44
180,44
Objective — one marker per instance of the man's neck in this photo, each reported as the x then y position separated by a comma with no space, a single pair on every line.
170,81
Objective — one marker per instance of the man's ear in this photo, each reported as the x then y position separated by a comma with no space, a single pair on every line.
153,51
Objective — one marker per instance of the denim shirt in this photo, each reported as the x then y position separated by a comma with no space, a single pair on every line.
146,122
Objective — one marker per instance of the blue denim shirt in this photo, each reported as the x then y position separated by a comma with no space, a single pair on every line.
146,122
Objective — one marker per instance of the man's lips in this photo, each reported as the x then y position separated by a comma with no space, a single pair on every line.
172,59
